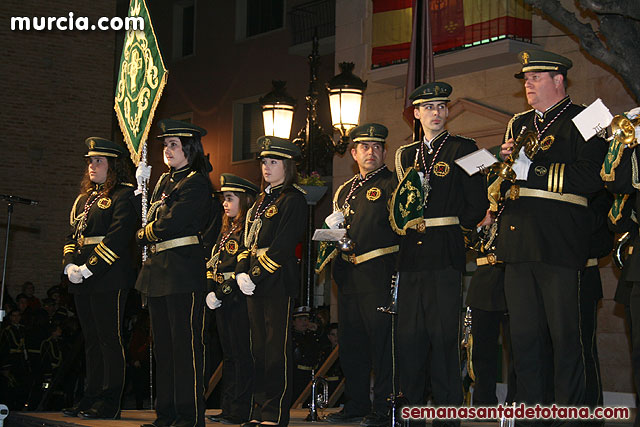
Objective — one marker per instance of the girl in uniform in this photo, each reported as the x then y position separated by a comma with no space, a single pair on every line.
270,275
98,262
229,303
173,278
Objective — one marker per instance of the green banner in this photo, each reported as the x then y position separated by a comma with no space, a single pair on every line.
141,79
326,252
406,209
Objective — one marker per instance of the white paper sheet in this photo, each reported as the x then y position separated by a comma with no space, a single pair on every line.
329,235
472,163
592,119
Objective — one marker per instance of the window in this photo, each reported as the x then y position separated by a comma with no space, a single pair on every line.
247,128
254,17
184,19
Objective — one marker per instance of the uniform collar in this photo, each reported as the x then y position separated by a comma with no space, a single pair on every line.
274,190
542,116
96,187
372,172
178,174
431,144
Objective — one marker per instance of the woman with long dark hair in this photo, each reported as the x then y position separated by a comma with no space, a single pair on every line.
173,278
229,303
97,260
270,275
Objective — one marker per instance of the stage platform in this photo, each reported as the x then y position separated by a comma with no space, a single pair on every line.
135,418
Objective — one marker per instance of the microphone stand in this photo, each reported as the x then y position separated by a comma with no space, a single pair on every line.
10,201
4,266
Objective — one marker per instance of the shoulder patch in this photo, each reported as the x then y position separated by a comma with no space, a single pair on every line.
300,189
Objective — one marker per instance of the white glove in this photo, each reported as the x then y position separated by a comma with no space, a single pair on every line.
86,273
212,301
334,220
521,166
73,273
632,114
143,173
245,283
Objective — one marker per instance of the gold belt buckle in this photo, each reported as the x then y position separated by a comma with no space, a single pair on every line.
152,249
515,192
81,240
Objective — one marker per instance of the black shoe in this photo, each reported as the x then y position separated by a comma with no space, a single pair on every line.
343,417
71,412
250,424
231,420
375,419
216,418
94,414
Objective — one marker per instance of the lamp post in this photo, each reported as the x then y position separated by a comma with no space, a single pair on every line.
345,92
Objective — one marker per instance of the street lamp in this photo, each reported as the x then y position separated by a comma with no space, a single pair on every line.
345,97
345,92
277,111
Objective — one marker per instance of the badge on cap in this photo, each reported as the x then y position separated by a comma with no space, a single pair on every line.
525,58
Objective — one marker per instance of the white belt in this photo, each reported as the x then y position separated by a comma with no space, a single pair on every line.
441,221
91,240
591,262
173,243
542,194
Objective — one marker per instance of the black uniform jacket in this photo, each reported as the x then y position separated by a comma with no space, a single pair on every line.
180,207
283,216
367,224
534,229
224,258
627,181
115,217
453,193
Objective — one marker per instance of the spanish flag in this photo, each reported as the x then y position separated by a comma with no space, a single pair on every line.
454,24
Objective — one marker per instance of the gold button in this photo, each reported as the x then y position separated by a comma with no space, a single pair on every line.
512,227
348,226
351,212
419,242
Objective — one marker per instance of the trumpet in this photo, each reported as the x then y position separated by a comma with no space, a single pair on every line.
623,130
503,171
318,400
620,249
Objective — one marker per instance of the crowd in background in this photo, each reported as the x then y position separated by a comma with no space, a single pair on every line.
42,355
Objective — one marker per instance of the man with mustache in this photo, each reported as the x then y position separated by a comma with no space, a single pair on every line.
363,276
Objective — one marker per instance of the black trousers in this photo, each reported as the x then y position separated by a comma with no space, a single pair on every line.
100,316
588,315
177,322
486,330
272,350
365,345
544,308
232,320
429,310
